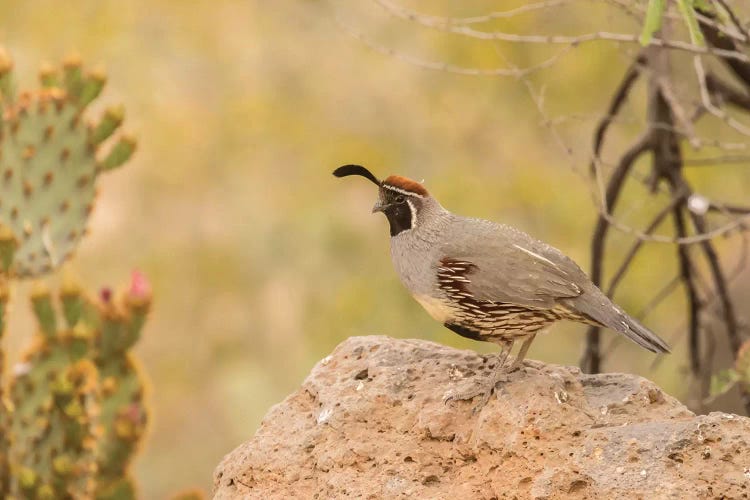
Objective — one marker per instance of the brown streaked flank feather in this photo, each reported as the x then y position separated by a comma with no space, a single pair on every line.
406,184
494,321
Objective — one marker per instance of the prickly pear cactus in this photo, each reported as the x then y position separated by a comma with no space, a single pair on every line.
54,394
78,403
73,416
49,161
123,413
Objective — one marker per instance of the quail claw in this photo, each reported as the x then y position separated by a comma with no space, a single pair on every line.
483,390
516,365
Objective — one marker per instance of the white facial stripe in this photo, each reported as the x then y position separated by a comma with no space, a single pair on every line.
535,255
402,191
413,210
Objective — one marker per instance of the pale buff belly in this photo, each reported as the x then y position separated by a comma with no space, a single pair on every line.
436,308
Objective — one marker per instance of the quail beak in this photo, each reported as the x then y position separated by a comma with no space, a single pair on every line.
379,206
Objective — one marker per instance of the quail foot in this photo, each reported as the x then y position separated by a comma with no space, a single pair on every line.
488,281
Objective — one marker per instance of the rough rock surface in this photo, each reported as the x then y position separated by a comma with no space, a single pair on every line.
370,422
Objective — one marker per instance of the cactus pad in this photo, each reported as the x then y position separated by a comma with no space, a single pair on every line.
123,416
49,162
54,396
73,415
79,413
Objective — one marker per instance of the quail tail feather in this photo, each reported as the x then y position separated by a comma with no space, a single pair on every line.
642,336
598,307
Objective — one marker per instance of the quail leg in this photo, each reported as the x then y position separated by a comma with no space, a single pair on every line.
485,390
521,353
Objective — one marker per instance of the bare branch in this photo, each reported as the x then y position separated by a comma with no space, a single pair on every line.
722,290
709,105
735,21
719,40
726,93
678,112
739,221
657,220
708,301
686,276
717,160
618,99
725,208
720,283
639,11
446,24
444,66
706,142
667,164
591,360
524,9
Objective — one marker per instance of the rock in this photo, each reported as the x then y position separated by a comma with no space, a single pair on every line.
370,422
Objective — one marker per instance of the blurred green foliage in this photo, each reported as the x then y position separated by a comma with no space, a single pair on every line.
262,261
724,380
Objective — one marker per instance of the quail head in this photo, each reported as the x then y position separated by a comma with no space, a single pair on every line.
488,281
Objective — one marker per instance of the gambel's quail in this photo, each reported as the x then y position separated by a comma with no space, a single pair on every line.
488,281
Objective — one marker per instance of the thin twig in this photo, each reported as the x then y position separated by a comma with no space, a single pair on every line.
608,218
715,206
735,223
724,91
657,220
619,120
591,360
615,103
719,40
686,276
700,71
722,290
730,319
678,112
444,66
486,18
667,163
639,11
717,160
710,299
735,20
446,24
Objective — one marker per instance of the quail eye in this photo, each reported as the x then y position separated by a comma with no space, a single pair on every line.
400,198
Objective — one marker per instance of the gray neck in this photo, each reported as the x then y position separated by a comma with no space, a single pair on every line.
414,252
431,218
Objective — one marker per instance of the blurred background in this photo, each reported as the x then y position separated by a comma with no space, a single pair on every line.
261,261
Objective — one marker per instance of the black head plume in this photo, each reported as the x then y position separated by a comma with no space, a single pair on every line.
356,170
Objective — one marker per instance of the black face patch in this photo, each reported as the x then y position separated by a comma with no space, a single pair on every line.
399,217
397,210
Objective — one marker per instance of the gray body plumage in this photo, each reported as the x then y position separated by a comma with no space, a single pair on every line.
495,283
488,281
